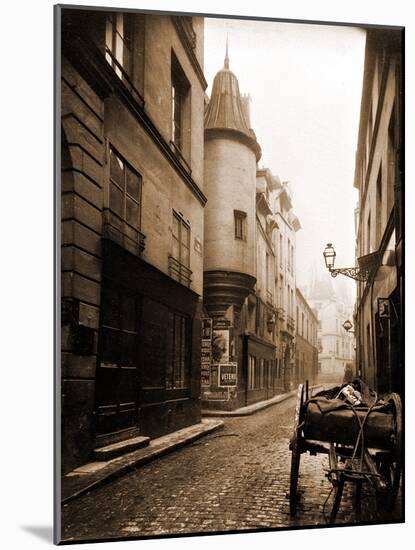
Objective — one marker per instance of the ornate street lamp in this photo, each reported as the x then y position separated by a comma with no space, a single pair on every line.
329,256
347,325
353,272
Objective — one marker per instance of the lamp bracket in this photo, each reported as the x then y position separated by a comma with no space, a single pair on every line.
352,272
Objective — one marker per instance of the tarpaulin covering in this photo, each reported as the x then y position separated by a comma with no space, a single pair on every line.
333,421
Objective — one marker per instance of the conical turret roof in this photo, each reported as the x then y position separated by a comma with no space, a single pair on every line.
225,109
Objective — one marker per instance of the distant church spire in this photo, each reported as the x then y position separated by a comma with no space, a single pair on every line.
226,62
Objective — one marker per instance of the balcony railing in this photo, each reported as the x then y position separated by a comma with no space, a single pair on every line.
179,272
121,232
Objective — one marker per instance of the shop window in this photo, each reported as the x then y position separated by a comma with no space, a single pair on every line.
118,329
240,224
251,372
178,365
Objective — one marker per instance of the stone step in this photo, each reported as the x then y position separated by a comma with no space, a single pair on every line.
122,447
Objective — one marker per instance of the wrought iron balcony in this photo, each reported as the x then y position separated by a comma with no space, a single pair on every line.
121,232
179,272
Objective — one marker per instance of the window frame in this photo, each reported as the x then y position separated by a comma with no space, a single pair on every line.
178,377
113,57
180,102
179,269
124,190
240,225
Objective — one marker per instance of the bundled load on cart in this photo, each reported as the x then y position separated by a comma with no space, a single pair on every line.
361,434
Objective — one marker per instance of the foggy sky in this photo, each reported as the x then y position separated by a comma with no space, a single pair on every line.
305,83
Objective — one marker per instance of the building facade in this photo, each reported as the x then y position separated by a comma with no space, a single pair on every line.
335,345
379,244
132,99
260,310
285,244
306,342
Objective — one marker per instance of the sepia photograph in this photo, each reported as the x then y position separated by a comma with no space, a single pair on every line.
230,262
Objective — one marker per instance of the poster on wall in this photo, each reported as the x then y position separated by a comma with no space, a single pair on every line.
228,374
220,345
206,352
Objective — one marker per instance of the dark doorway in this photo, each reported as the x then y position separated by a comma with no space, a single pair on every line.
117,387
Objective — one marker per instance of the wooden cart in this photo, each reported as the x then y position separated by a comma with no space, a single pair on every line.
369,453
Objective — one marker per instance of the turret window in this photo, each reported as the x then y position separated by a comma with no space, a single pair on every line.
240,225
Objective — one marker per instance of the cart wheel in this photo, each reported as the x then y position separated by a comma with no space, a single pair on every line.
390,466
295,447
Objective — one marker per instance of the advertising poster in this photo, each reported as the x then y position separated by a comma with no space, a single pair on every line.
206,352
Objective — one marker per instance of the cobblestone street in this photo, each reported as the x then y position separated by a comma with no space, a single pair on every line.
234,479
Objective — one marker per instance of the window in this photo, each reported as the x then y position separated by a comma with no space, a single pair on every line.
379,207
251,372
179,261
118,329
124,191
368,236
180,108
177,372
269,278
260,380
281,251
240,225
118,43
